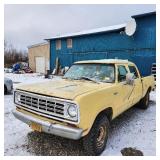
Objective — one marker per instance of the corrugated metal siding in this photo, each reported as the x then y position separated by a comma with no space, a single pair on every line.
144,59
139,48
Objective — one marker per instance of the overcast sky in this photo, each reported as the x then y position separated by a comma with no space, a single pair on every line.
30,24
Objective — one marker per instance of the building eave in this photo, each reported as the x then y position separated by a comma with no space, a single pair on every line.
144,14
37,44
89,32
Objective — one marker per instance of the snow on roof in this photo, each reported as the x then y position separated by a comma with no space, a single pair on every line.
38,44
144,14
91,31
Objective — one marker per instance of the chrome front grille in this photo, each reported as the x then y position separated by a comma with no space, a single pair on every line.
42,104
50,107
47,106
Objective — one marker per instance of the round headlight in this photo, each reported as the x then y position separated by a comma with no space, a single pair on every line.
72,111
17,97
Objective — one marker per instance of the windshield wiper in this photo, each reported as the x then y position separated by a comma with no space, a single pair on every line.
71,79
87,78
64,77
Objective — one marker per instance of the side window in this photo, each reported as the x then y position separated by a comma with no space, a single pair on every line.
122,71
69,43
134,71
58,44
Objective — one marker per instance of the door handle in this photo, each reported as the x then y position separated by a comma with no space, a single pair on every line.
115,93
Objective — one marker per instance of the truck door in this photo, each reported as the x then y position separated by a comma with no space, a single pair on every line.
124,89
137,91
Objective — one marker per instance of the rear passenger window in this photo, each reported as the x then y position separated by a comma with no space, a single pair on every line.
134,71
122,71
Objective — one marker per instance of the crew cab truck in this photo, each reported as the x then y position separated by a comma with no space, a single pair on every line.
84,101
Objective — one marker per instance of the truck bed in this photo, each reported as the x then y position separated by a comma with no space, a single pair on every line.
148,82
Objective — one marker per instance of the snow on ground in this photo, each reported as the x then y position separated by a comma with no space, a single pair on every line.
21,79
135,128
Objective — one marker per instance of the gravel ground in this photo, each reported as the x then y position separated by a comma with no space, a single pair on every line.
135,128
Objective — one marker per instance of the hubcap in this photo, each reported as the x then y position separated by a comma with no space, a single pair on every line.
101,136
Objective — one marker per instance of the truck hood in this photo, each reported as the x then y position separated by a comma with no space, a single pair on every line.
62,88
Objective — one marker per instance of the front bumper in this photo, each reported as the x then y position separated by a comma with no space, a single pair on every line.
47,127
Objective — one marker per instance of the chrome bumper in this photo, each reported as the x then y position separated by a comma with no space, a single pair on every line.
47,127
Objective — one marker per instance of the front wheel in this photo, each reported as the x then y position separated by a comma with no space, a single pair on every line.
95,142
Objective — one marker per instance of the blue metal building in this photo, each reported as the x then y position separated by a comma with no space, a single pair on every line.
109,42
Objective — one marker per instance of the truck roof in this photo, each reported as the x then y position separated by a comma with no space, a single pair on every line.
108,61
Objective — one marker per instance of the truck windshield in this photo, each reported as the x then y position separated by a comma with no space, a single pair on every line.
92,72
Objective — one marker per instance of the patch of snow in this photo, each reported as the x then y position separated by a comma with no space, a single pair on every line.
21,79
135,128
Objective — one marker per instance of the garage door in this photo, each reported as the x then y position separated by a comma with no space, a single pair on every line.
40,64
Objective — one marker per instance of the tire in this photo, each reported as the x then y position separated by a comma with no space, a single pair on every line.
5,90
95,142
144,102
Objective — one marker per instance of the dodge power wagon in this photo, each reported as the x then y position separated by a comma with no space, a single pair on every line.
82,103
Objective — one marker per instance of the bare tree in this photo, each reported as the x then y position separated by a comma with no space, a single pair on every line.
12,55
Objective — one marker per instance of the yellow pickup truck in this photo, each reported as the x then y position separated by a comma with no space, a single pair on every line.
84,101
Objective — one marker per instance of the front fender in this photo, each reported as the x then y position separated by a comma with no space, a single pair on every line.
91,105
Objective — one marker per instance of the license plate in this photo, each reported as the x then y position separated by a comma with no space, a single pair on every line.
36,127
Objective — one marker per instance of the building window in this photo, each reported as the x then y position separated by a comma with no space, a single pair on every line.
69,43
58,44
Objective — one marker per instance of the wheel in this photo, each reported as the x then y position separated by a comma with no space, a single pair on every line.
95,142
5,90
144,102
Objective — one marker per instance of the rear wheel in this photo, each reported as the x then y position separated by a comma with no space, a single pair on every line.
95,142
144,102
5,89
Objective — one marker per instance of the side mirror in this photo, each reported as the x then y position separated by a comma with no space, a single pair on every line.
130,78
